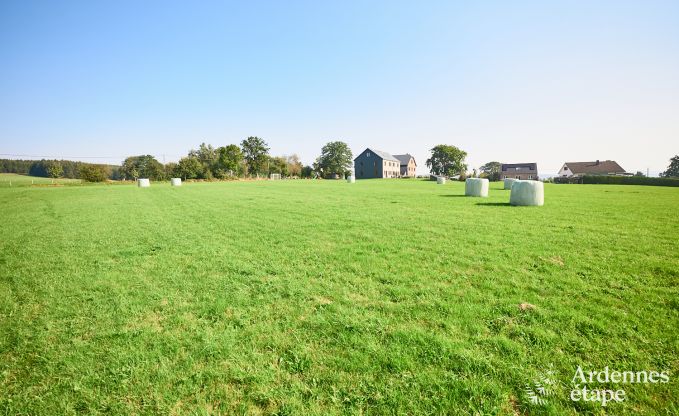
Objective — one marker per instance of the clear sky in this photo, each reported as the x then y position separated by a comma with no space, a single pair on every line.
538,81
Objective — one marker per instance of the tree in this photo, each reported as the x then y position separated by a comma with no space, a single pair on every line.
335,159
54,169
116,173
307,171
189,168
144,166
256,154
170,168
278,164
492,170
207,155
447,160
673,169
94,173
229,161
639,173
294,165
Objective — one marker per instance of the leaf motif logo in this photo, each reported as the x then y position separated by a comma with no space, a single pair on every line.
540,389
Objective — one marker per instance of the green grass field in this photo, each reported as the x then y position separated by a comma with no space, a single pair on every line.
322,297
12,179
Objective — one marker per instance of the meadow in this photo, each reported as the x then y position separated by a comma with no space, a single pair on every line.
322,297
12,179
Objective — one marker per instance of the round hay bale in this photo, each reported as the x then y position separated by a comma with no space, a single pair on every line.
351,179
441,180
476,187
527,193
509,182
176,181
143,183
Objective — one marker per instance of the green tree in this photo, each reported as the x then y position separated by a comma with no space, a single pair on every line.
294,165
170,168
278,164
229,161
335,159
492,170
307,171
673,169
144,166
447,160
189,168
94,173
639,173
256,154
207,155
54,169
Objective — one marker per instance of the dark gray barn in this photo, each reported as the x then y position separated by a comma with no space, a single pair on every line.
376,164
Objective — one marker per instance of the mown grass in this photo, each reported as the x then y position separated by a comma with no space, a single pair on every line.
322,297
13,179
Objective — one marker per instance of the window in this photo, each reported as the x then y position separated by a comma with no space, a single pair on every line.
367,154
530,176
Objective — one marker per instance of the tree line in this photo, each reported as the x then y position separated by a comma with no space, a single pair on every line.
250,159
60,169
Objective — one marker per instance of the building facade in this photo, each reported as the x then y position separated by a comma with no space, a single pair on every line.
523,171
376,164
408,165
599,167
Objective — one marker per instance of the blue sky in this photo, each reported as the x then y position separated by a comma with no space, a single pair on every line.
538,81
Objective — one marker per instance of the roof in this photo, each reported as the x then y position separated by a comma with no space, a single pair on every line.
530,166
381,154
599,166
405,159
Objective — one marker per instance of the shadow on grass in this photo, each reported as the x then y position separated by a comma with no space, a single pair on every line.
494,204
453,196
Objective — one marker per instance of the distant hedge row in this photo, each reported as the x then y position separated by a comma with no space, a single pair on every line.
629,180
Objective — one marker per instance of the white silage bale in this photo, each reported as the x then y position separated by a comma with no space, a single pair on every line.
351,179
527,193
176,181
441,180
143,183
509,182
476,187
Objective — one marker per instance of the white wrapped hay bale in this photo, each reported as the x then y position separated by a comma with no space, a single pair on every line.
143,183
527,193
509,182
476,187
351,179
176,181
441,180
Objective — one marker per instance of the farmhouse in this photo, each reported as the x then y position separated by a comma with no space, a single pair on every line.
376,164
408,165
599,167
519,171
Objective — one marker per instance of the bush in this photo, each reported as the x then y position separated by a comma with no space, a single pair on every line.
629,180
94,173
